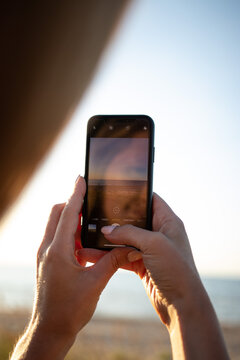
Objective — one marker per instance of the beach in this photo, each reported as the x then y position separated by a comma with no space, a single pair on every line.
125,325
111,338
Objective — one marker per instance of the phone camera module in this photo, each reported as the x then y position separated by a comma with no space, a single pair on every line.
145,128
110,127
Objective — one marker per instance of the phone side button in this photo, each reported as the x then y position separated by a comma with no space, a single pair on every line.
153,153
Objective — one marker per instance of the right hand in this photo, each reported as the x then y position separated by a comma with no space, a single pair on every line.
166,266
164,260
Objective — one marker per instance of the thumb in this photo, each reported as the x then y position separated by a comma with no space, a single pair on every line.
105,268
129,235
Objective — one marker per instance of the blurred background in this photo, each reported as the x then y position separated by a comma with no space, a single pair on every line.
177,61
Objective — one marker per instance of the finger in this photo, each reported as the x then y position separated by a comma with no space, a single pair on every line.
134,255
68,222
129,235
162,213
167,222
94,255
83,256
109,264
51,227
90,255
159,205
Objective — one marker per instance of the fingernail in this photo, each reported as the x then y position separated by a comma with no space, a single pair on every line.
77,252
78,177
106,230
134,256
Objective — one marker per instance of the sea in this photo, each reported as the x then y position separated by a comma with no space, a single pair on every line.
124,296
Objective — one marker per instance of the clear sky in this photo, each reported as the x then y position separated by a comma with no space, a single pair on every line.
177,61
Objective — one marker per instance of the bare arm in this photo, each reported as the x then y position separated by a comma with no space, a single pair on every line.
194,329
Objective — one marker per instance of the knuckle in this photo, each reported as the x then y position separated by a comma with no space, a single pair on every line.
39,255
51,254
166,225
41,251
180,224
57,207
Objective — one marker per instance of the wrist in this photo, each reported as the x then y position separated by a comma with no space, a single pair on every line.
194,306
194,325
191,304
39,342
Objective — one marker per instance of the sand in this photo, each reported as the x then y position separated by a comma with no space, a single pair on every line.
112,339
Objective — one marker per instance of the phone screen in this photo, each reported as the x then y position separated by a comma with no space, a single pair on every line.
119,176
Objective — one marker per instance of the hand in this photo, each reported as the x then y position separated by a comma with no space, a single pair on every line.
67,292
166,266
165,262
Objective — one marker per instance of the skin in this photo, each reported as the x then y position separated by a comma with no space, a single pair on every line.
67,292
166,266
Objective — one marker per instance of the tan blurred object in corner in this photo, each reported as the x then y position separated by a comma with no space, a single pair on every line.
49,50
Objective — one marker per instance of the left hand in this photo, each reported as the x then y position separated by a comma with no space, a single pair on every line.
67,292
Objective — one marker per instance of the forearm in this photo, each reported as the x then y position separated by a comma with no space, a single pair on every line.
39,344
194,329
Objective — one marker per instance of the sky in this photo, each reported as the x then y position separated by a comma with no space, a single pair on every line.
178,62
118,159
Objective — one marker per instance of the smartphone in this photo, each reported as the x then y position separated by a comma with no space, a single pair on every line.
118,173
